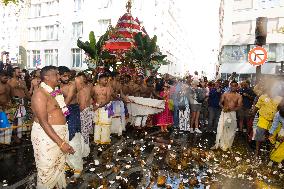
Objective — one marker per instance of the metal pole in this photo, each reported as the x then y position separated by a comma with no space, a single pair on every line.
282,68
260,38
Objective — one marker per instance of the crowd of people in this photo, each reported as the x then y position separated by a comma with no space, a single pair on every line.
68,107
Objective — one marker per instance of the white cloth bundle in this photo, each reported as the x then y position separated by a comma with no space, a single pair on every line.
144,106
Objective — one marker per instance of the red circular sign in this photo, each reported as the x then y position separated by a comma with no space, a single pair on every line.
257,56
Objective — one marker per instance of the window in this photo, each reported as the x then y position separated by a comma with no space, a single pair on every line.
77,29
242,4
35,59
35,10
241,28
272,25
78,5
76,58
104,25
51,32
29,59
105,3
35,34
268,3
272,52
49,8
51,57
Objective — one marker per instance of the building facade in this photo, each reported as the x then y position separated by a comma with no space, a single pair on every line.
238,35
50,29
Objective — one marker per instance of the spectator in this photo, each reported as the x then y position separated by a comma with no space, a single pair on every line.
213,106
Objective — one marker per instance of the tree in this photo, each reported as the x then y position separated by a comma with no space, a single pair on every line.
146,53
6,2
93,49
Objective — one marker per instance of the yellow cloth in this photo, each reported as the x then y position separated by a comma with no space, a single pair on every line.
267,110
277,155
102,126
49,158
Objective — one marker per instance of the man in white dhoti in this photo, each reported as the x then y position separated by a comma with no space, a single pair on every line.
118,121
103,110
50,132
69,90
230,102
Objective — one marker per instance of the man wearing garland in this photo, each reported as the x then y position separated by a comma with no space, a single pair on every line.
49,132
103,110
69,91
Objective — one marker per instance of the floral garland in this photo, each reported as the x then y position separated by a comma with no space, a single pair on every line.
57,94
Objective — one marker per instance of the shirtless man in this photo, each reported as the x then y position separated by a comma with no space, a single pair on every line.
5,91
49,133
19,93
18,86
230,102
35,82
126,85
145,90
68,89
115,86
86,110
102,96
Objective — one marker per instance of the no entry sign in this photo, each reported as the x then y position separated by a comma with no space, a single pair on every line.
257,56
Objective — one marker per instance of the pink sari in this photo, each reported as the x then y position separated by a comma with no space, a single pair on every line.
164,118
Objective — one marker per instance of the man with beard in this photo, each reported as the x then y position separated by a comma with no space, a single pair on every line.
69,91
35,82
230,102
103,110
19,94
86,110
49,132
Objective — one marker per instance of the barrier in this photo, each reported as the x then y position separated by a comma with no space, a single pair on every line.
6,133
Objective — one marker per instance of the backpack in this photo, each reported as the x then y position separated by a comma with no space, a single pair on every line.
200,96
182,103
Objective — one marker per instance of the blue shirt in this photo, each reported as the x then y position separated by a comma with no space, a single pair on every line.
214,98
277,119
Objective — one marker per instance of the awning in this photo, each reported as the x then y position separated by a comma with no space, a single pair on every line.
249,39
247,68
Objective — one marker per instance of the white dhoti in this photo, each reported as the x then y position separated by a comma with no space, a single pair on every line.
20,116
141,107
118,119
226,130
49,158
75,161
102,121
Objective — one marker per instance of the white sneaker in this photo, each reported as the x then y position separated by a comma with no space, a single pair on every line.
191,130
197,131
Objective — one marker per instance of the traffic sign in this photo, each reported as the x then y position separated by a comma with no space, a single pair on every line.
257,56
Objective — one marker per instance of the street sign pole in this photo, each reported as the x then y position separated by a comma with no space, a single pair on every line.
260,38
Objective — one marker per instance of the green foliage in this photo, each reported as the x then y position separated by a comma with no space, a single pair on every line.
93,48
146,53
6,2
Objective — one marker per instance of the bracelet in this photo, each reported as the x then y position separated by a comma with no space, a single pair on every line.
62,144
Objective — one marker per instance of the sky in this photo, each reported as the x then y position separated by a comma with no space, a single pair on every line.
200,19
